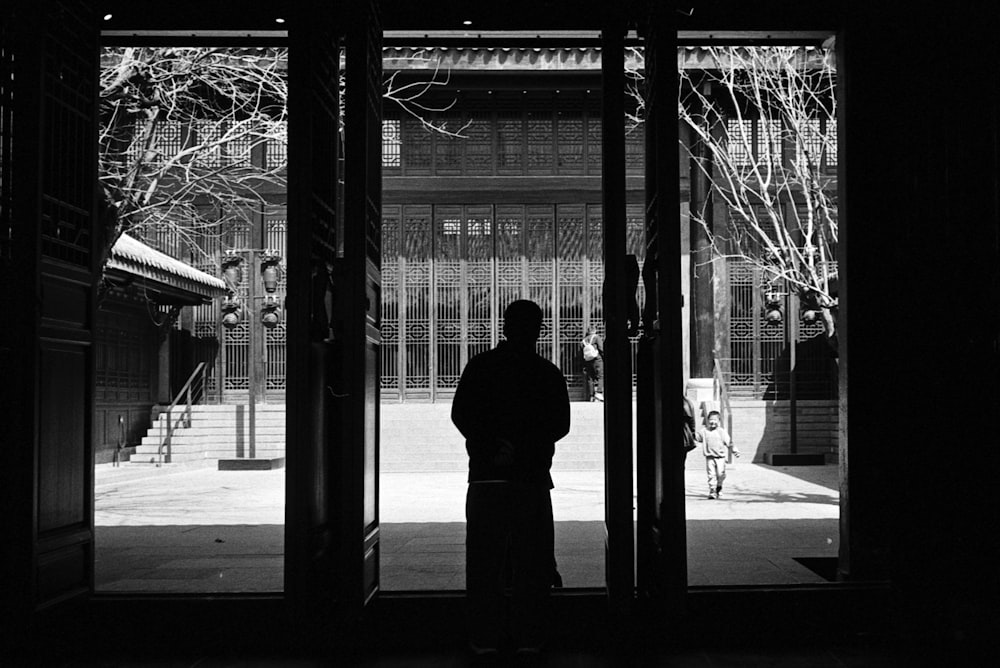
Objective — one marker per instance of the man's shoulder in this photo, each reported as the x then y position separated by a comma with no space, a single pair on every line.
485,356
546,364
505,357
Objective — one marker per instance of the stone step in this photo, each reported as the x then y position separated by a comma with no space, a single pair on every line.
180,457
198,445
230,408
208,440
220,423
221,431
270,417
216,431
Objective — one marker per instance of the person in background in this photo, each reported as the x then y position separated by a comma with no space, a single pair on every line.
715,445
592,348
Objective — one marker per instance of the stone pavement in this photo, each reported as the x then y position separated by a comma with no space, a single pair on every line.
197,529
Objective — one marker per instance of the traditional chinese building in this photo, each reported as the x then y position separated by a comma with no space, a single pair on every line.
500,200
144,347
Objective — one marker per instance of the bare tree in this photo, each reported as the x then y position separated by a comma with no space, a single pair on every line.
183,135
762,123
193,139
412,94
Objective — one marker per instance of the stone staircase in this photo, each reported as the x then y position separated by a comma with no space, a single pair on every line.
218,432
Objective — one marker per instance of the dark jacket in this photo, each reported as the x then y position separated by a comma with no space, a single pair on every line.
517,396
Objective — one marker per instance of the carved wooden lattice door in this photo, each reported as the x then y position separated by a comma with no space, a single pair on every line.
450,270
49,256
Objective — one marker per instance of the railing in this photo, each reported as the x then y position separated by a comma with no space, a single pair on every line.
720,393
191,393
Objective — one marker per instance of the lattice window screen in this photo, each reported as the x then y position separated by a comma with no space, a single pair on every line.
511,262
810,142
391,144
416,148
447,333
390,376
540,251
210,134
479,144
570,142
571,235
594,154
770,141
452,292
510,146
448,150
478,308
68,133
832,146
740,141
635,148
415,277
540,140
276,150
595,266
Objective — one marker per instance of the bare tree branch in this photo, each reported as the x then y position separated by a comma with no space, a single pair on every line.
762,122
184,130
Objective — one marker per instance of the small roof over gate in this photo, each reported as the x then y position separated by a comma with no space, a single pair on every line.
166,280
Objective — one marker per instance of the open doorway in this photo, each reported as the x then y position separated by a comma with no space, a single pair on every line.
491,193
759,135
191,351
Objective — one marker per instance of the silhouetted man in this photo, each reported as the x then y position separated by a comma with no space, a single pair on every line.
512,406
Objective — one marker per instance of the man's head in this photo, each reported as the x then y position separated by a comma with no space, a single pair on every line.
714,418
522,322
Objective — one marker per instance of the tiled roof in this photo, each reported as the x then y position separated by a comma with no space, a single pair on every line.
134,257
533,58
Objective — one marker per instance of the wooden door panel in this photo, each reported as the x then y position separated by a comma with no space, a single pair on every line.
314,366
362,299
64,362
661,532
48,103
617,350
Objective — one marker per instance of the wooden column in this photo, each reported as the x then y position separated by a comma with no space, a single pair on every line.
703,322
617,351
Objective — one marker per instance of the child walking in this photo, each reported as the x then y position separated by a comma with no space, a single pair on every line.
715,445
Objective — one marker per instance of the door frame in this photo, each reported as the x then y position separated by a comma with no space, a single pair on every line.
263,37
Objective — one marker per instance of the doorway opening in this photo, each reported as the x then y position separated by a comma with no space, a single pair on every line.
191,350
759,133
491,193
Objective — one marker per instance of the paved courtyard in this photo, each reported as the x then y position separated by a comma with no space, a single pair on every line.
197,529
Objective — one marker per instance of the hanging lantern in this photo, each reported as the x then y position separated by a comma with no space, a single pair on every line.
232,270
269,271
772,308
812,303
231,313
270,312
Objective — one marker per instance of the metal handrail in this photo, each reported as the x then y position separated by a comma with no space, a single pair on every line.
185,418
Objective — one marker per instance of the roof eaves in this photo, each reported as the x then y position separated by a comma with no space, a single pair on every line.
131,256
